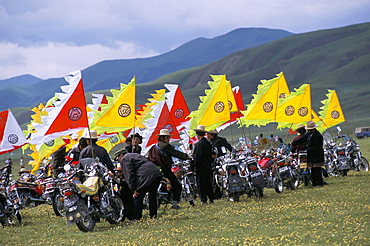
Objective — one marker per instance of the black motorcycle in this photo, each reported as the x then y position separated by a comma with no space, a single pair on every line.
254,177
87,202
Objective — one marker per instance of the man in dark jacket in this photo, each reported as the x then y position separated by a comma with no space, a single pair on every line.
93,150
221,144
141,176
161,154
133,143
203,163
59,161
315,152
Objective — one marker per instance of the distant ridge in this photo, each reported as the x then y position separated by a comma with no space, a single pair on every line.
26,79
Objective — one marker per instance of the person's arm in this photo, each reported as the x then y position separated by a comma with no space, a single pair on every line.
171,151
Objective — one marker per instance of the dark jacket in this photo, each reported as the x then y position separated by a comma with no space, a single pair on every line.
219,142
314,143
203,154
99,152
161,154
298,147
139,172
59,157
137,149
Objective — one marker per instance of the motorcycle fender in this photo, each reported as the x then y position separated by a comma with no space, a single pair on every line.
73,213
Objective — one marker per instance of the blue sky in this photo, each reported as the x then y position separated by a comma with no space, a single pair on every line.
52,38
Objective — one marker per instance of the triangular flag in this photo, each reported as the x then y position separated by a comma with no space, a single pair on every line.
331,112
295,109
262,109
177,105
11,134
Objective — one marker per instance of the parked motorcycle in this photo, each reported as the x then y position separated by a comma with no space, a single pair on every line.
255,183
9,212
230,177
95,198
186,177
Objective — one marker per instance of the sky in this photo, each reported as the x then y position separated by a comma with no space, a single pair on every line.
49,39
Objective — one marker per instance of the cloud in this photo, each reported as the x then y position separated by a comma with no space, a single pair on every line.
59,59
124,28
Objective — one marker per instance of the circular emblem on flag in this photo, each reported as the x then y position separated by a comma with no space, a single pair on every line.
303,111
50,143
268,107
74,113
289,110
113,139
219,107
13,139
179,113
230,105
282,95
169,128
124,110
335,114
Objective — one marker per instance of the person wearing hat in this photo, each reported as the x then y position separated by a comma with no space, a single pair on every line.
141,176
75,152
125,192
161,154
203,163
22,171
221,144
315,152
301,130
133,143
93,150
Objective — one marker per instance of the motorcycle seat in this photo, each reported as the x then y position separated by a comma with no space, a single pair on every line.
90,186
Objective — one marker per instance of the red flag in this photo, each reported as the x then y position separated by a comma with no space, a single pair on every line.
177,105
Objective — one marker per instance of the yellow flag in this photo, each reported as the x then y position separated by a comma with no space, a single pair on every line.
295,109
111,141
262,109
331,112
213,110
119,113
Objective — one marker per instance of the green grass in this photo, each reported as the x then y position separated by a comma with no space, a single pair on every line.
337,214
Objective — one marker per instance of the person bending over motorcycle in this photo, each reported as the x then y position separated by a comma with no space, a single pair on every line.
161,154
141,176
93,150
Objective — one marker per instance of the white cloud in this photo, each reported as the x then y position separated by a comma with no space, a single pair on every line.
58,59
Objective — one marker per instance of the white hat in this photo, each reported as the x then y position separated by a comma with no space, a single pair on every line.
200,128
300,126
164,132
90,135
311,125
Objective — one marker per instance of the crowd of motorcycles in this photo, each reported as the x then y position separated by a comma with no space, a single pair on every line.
85,193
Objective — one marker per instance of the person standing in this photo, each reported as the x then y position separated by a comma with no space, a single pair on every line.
141,176
161,154
203,163
133,143
75,152
315,152
21,162
302,146
220,143
59,161
93,150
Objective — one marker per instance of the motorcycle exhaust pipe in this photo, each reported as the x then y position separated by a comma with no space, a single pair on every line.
37,200
92,210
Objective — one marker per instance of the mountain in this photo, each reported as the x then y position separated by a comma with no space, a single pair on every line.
26,79
328,59
108,74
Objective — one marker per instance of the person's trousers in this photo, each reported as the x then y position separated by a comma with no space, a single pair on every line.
175,184
204,181
128,201
316,176
153,203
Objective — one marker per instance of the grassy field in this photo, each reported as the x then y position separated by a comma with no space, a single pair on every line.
337,214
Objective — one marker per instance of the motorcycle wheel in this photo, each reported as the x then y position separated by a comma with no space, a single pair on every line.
343,172
24,199
117,210
58,206
279,186
258,192
306,180
364,164
2,216
88,223
236,196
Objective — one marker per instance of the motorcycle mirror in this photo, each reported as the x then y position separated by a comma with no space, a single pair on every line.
67,167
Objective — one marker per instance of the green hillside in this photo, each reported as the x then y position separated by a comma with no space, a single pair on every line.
329,59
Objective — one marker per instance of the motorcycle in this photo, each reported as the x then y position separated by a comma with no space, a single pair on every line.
305,173
9,212
254,177
186,177
85,203
267,165
357,161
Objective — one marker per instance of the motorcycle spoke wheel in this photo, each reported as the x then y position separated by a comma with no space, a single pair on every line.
279,186
58,206
87,223
364,165
117,210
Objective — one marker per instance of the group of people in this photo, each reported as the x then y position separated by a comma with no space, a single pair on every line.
138,175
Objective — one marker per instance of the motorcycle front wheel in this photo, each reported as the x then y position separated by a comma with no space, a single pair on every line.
88,223
364,165
279,187
258,192
117,210
58,206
